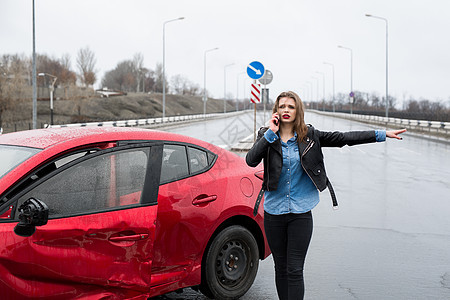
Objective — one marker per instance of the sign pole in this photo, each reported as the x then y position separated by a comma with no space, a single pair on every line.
264,102
255,70
254,120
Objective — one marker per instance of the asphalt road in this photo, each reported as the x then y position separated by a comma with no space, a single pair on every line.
390,238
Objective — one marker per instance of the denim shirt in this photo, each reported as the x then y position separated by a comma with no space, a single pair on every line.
296,192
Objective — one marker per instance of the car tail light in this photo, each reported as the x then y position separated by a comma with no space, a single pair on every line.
260,174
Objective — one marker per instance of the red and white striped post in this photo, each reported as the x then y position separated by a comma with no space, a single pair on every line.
255,98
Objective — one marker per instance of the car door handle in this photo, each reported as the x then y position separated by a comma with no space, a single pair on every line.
202,199
129,238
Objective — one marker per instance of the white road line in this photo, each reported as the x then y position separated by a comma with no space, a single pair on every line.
409,150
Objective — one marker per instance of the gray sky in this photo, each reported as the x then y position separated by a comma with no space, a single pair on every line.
292,38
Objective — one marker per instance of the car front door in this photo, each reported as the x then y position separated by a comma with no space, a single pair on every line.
98,241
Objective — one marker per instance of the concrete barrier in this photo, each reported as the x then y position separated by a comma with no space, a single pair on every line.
146,122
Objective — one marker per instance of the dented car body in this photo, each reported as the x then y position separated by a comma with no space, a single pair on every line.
125,213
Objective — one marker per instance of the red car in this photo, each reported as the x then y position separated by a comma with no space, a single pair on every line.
122,213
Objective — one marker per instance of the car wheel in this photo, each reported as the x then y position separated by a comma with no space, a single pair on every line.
231,264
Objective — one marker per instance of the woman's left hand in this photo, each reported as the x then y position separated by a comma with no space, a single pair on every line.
395,133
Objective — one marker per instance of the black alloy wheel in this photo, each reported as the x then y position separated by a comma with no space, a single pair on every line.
231,264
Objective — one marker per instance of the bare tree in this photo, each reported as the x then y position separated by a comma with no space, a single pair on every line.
67,76
158,87
179,84
121,78
13,81
86,66
183,86
138,64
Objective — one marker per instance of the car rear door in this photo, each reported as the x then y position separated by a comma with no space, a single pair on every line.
99,238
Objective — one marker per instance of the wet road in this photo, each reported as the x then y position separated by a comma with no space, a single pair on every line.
390,238
222,132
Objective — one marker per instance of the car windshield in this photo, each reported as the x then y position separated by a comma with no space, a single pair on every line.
12,156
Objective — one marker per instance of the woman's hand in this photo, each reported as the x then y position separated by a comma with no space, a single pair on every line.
274,123
395,133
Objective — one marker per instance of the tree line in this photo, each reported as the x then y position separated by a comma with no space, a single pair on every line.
374,104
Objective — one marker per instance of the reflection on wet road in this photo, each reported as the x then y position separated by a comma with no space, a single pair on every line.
390,238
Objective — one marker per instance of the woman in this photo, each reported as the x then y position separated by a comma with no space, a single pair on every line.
294,173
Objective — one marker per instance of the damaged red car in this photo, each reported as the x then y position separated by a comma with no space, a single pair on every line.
124,213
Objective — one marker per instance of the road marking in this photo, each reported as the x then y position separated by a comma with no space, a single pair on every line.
361,150
409,150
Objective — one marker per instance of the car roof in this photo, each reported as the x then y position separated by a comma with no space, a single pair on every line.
44,138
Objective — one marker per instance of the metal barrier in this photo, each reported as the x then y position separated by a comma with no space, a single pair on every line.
143,122
419,125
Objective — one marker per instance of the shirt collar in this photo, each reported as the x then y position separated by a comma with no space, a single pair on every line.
292,139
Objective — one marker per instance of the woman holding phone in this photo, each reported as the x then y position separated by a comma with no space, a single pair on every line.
294,173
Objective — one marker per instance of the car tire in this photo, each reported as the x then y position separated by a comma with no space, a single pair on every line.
231,264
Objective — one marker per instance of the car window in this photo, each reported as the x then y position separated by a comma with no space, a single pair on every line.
12,156
174,164
67,159
198,160
98,182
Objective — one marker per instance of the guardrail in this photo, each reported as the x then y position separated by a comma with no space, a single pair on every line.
143,122
157,122
419,125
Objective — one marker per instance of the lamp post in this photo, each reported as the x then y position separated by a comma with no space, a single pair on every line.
34,75
386,21
164,64
323,90
237,89
204,80
306,94
311,92
351,77
332,66
317,95
225,87
306,98
52,88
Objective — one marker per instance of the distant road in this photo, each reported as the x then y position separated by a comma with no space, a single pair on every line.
223,132
390,238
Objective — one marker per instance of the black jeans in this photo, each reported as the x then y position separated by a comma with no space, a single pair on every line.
288,236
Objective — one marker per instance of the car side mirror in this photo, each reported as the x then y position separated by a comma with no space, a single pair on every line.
33,212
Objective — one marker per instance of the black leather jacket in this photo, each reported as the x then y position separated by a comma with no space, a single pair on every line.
311,156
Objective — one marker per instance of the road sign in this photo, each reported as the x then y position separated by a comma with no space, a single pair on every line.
255,70
352,94
256,93
267,78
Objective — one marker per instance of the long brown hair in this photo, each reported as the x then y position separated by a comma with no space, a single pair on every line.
299,122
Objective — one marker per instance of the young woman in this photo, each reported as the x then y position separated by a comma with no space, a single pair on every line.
294,173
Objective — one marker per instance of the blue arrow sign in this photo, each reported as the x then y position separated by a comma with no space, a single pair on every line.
255,70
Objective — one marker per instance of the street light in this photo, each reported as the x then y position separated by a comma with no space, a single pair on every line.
34,75
306,96
323,90
332,66
164,64
237,88
311,95
317,81
351,77
385,20
225,87
204,80
52,88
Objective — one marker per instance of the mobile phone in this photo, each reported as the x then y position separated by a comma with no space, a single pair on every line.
276,120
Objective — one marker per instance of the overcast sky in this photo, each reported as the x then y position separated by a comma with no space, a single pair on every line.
290,38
